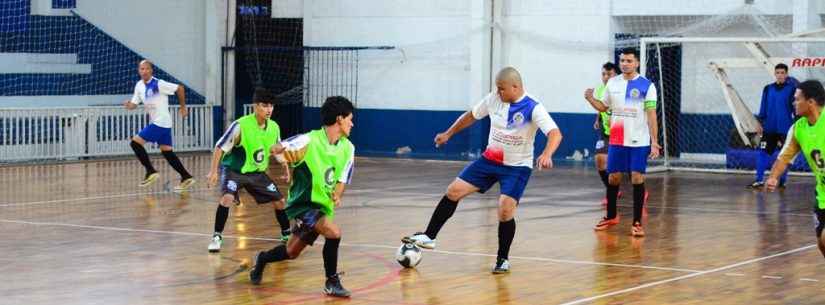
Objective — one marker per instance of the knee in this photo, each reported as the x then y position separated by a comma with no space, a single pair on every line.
637,178
227,200
292,253
506,213
506,209
333,233
615,179
280,204
454,193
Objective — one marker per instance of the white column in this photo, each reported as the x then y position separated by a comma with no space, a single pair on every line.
214,17
229,70
805,15
480,58
480,49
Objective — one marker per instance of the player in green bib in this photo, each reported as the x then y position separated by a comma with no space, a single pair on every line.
807,135
322,162
602,124
244,153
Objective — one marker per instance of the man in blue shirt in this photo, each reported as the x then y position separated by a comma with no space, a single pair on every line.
776,116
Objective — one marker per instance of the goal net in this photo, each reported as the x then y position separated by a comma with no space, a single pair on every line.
711,88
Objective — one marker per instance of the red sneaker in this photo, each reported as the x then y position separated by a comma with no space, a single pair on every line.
606,223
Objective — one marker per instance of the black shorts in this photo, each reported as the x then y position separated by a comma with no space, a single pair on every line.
256,184
304,226
772,142
602,143
819,221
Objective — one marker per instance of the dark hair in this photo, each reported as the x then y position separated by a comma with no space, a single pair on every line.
333,107
781,66
812,89
628,51
262,95
609,66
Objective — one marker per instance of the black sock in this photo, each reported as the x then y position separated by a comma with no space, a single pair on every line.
612,197
280,215
506,232
638,201
143,157
220,218
175,163
331,256
276,254
604,175
442,213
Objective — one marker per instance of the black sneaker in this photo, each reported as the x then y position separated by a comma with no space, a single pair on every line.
502,266
257,272
333,287
756,185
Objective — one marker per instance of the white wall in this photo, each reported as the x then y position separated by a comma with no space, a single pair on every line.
694,7
443,56
430,68
559,48
173,34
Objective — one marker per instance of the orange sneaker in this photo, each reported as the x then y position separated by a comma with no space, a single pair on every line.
606,223
637,230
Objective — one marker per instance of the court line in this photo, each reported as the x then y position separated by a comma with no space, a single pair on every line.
543,198
97,197
544,259
198,190
687,276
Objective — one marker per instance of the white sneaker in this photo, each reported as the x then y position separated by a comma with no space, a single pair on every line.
185,185
215,245
421,240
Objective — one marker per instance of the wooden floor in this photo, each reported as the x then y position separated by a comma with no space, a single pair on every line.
84,233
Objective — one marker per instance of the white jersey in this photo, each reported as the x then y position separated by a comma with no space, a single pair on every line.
512,128
155,98
628,101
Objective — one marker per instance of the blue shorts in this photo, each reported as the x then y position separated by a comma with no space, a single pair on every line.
623,159
160,135
483,173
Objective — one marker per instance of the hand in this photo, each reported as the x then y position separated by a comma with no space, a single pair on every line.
759,129
286,177
336,199
294,156
441,138
128,105
183,111
770,184
545,161
655,150
588,94
212,179
596,125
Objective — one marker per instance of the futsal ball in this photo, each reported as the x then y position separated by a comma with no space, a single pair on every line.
408,255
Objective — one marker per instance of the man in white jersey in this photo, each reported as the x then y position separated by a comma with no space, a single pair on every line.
631,99
153,94
508,159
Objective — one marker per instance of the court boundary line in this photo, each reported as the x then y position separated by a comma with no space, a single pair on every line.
16,204
688,276
532,258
